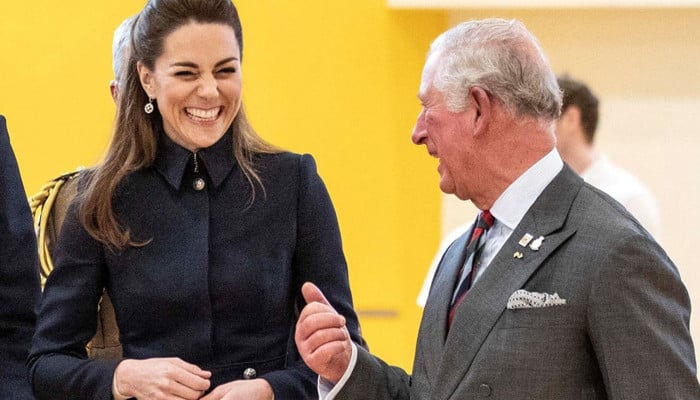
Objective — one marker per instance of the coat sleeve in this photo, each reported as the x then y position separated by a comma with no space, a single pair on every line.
639,313
19,275
318,258
67,319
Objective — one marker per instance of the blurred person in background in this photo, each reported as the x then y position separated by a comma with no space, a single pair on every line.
50,204
120,54
576,130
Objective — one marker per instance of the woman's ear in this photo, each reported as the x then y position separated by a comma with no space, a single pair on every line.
146,78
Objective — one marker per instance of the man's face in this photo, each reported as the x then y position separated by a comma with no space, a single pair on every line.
445,134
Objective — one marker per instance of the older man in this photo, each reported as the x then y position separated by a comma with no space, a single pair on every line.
19,276
555,292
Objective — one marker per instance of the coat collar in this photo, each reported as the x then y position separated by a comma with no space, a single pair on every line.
172,159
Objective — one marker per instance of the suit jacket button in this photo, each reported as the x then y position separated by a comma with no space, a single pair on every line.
249,373
484,390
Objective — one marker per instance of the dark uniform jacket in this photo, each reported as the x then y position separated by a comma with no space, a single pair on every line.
19,275
217,284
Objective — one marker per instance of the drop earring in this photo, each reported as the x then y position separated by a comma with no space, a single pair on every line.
148,108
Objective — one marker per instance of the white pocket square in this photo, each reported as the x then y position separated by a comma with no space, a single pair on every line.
524,299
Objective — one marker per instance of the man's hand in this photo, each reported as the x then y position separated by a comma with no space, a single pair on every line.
321,336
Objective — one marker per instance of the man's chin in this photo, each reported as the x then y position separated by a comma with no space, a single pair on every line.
450,189
447,187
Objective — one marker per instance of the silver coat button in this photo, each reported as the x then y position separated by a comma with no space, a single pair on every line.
249,373
198,184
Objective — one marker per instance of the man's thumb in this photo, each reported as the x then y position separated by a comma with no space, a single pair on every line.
312,293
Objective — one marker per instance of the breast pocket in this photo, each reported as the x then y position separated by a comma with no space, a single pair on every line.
563,315
539,338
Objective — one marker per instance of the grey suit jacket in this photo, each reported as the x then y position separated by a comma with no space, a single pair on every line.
622,334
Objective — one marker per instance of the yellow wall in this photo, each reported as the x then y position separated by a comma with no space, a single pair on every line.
339,79
333,78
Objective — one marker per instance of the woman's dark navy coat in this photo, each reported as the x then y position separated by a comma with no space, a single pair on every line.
217,284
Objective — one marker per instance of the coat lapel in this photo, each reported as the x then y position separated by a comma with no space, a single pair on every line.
486,301
433,328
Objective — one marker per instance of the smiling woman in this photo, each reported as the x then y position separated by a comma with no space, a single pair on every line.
196,83
201,233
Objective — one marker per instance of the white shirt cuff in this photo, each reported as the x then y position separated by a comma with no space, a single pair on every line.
326,390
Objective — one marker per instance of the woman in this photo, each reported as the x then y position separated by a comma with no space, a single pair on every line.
201,233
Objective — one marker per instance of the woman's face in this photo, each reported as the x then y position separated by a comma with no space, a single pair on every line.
196,83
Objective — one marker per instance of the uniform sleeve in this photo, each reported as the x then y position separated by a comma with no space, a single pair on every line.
639,324
319,259
59,366
19,275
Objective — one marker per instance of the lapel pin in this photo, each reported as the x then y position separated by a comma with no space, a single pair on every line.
535,245
518,255
525,239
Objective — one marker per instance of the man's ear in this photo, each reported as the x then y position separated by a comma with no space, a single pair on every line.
480,101
571,118
572,114
146,78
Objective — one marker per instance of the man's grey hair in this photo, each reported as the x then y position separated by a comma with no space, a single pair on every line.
120,47
503,58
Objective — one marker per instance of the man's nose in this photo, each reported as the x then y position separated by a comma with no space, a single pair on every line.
419,132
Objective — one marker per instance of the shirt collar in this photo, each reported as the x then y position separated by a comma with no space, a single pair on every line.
513,203
172,159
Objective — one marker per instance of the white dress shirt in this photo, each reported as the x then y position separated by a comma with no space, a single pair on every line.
511,206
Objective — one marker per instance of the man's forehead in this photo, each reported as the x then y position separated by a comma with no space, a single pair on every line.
427,76
424,92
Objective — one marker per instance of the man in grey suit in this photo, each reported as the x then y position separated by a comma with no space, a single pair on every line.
19,276
567,296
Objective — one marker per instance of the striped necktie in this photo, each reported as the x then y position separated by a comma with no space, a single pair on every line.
483,222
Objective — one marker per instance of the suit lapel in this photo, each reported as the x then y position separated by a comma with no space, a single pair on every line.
433,328
486,301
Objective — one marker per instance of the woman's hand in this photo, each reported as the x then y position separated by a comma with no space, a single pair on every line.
254,389
160,378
